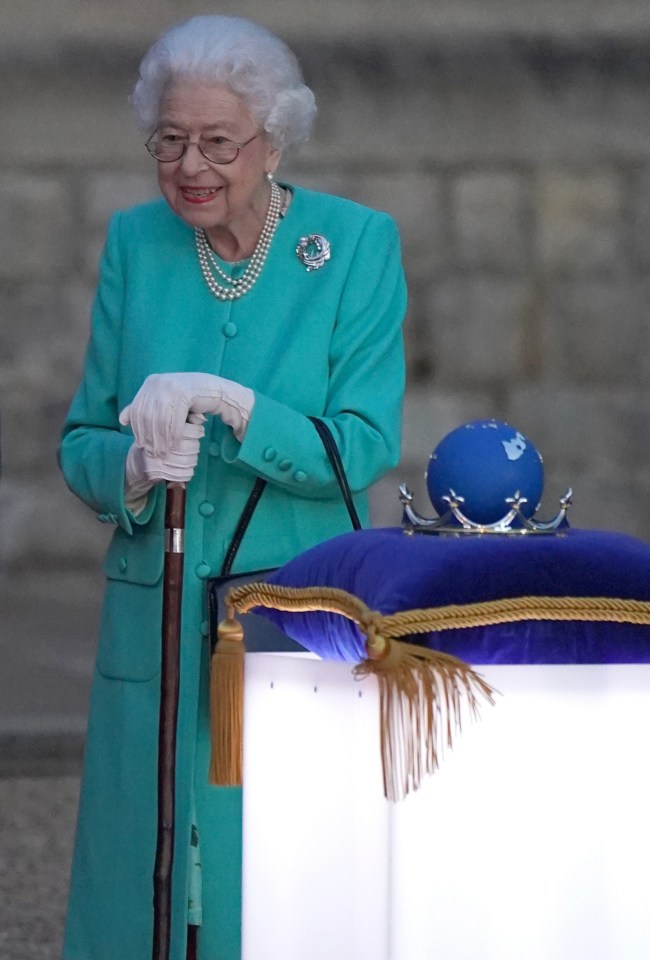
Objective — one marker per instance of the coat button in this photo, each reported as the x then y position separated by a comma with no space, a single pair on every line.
229,330
269,454
213,449
300,476
205,628
202,571
206,509
285,465
123,564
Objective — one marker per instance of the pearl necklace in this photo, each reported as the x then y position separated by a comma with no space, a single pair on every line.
208,262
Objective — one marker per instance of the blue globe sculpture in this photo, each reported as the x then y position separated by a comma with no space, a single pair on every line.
485,462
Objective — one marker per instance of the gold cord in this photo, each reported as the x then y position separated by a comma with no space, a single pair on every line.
421,691
449,617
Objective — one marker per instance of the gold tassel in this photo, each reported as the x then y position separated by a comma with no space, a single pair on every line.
421,691
227,705
418,688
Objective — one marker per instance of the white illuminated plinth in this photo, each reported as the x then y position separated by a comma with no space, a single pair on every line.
530,843
316,825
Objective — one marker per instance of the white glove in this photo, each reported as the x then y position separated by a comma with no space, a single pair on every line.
160,408
143,471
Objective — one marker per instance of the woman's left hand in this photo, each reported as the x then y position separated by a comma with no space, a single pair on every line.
161,406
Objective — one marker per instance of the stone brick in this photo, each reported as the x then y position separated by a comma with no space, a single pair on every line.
489,221
597,444
110,190
77,298
91,254
385,507
609,504
419,348
415,202
586,430
640,212
76,115
42,345
488,100
65,533
430,413
31,314
41,351
294,169
35,214
478,327
103,193
597,331
557,420
121,22
581,222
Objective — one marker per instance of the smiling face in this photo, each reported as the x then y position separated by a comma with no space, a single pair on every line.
226,200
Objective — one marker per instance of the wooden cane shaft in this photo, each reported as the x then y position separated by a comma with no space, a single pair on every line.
169,691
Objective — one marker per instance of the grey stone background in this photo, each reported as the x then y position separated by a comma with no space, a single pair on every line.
511,141
511,145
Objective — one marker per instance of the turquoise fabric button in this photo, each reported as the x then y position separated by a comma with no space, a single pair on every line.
205,628
229,329
202,571
300,476
214,450
206,509
285,465
123,564
269,454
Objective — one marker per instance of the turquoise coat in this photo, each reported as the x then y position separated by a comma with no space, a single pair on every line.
325,342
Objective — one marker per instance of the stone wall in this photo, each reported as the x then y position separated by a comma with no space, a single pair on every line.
514,154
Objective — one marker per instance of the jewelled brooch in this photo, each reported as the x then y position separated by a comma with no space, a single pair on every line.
313,251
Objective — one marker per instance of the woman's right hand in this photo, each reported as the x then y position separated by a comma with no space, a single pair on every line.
143,471
161,406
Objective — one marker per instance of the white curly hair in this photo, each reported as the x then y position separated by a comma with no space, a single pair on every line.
242,55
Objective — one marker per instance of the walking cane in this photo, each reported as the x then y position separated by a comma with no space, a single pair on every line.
169,686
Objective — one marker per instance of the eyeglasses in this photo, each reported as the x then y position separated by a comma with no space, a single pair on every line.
171,147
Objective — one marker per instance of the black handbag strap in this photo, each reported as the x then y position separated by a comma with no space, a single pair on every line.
242,525
332,451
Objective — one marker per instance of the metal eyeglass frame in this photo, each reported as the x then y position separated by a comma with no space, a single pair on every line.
151,142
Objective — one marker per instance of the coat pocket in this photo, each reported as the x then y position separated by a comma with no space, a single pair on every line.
130,629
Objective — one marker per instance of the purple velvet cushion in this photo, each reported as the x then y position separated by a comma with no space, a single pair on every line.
392,571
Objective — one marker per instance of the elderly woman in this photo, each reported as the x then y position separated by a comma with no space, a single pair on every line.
227,313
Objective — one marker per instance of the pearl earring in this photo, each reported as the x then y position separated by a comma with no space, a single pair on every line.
269,177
